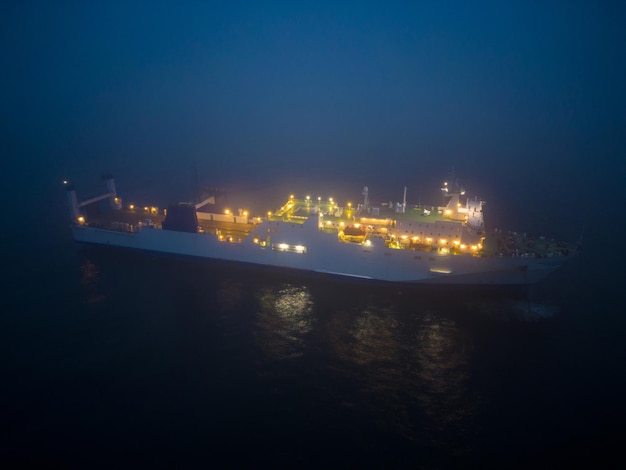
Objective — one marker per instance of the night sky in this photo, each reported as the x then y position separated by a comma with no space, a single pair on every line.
526,101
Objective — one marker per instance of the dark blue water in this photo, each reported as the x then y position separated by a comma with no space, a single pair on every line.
111,358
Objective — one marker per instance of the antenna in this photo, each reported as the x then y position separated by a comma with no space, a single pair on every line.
404,201
366,201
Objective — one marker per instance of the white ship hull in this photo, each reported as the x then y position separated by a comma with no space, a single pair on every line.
305,247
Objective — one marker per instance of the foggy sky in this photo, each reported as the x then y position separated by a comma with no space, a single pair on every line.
524,100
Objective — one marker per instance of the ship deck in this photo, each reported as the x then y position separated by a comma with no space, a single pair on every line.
297,210
130,220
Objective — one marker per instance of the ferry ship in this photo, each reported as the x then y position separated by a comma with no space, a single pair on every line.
389,242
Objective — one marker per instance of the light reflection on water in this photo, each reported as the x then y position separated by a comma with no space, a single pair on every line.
443,352
410,366
90,282
390,362
284,320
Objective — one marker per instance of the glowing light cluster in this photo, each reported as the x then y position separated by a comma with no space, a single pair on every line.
287,247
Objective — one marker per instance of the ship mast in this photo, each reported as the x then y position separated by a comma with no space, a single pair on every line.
404,201
366,201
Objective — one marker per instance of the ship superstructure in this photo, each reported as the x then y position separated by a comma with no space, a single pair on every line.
394,242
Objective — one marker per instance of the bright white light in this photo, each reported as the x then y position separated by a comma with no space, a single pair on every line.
299,248
283,246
